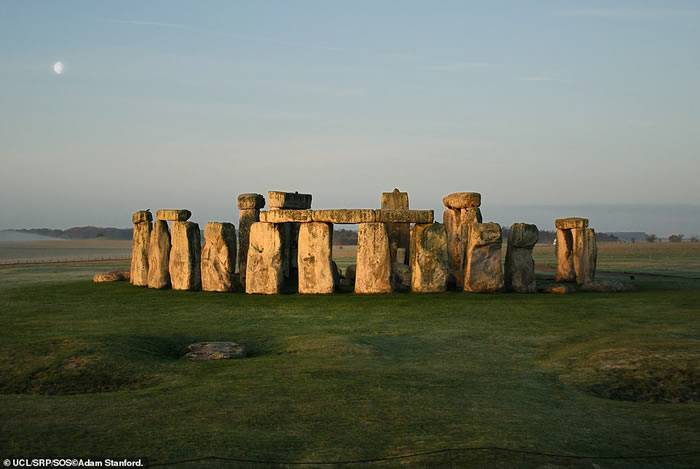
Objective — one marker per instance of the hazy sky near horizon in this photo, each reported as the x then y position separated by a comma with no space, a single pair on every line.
186,104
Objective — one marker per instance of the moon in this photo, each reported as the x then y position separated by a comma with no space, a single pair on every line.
58,68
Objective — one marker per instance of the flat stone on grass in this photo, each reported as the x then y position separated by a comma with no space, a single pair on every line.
215,351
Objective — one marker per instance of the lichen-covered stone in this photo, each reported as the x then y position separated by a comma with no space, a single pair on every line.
215,351
288,200
565,257
344,216
159,256
520,266
571,223
404,216
251,201
218,257
460,200
286,216
141,216
457,223
429,258
264,273
483,271
591,256
113,276
139,254
184,262
173,214
399,233
400,277
373,274
316,271
247,216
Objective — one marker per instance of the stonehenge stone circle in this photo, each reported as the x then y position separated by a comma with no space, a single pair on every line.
159,256
184,262
399,233
461,212
373,270
483,272
142,221
249,206
576,250
520,266
218,257
317,274
264,265
429,258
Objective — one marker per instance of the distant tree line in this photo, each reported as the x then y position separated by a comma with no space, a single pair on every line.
82,232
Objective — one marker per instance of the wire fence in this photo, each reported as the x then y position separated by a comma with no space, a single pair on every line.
62,260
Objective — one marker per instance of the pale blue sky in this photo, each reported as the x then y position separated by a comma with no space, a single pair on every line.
186,104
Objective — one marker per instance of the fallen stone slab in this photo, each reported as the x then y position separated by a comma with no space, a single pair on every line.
571,223
215,351
288,200
113,276
459,200
286,216
606,286
558,289
173,214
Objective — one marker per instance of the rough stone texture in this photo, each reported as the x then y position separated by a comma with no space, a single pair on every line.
286,216
373,274
218,257
184,263
349,276
264,266
579,254
606,286
344,216
520,266
591,256
483,271
113,276
141,216
401,256
139,254
173,214
399,233
429,258
249,206
460,200
571,223
565,259
250,201
404,216
159,256
215,351
400,277
290,252
558,289
294,200
457,224
316,271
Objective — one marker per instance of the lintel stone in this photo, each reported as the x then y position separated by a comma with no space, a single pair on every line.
250,201
571,223
288,200
173,214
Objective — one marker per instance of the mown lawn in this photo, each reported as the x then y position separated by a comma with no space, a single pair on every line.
96,370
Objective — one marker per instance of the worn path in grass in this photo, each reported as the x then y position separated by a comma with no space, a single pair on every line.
95,370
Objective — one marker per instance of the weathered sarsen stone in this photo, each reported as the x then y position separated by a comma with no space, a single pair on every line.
399,233
316,271
373,271
184,263
588,275
218,257
576,249
483,271
520,266
139,248
159,256
461,212
264,265
288,200
113,276
249,206
429,259
173,214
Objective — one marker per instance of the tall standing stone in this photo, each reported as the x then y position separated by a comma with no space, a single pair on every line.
591,256
571,249
373,271
461,212
142,221
399,233
159,256
264,265
429,258
520,266
279,200
184,265
249,206
483,271
218,257
316,271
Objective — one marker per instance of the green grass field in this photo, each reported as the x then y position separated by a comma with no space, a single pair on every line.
503,380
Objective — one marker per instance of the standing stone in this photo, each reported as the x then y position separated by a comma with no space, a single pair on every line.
483,271
591,257
159,256
399,233
461,212
286,201
316,270
429,258
185,253
142,221
373,271
249,206
218,257
565,259
571,249
264,265
520,266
